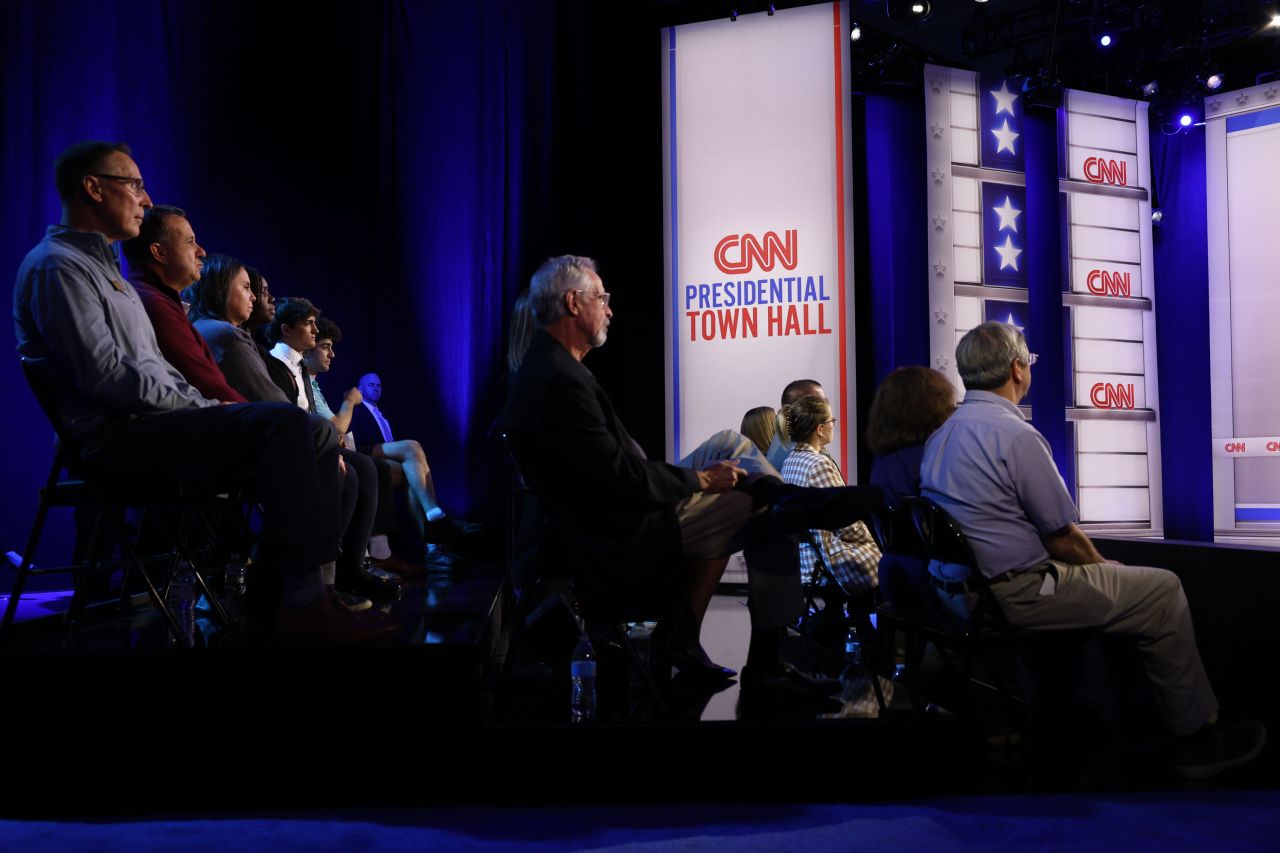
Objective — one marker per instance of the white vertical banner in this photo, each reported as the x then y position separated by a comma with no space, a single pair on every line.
758,220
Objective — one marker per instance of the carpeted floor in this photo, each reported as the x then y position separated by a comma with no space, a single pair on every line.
1208,821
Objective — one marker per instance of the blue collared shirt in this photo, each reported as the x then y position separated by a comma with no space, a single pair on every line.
73,308
994,473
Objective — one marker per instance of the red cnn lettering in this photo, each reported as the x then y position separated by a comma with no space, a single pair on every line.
1105,283
1273,446
1234,447
736,253
1104,395
1098,170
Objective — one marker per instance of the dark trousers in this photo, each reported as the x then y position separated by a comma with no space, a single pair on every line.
291,456
360,489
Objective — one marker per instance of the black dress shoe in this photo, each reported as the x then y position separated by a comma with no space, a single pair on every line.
373,582
450,529
789,680
698,666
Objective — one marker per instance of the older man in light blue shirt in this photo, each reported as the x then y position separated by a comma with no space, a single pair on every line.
993,472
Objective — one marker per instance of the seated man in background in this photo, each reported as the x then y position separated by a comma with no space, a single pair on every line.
373,435
293,331
993,472
135,417
318,360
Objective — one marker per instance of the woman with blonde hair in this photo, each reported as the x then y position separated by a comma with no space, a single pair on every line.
850,553
760,424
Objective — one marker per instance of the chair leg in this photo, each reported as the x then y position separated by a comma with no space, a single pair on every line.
131,553
28,558
650,686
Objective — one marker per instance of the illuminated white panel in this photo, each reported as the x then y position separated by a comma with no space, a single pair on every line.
1111,469
1108,356
968,265
968,312
967,229
1115,504
1099,105
1111,436
1122,324
1106,278
964,194
1110,391
964,81
1097,132
1103,167
964,146
1089,209
964,111
1104,244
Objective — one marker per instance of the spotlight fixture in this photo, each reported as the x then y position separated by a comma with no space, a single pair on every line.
913,11
1157,216
1213,81
979,1
855,33
1275,22
1185,120
1105,40
1151,89
771,10
917,8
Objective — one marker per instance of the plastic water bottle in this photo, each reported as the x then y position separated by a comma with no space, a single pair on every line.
582,673
852,647
233,586
182,604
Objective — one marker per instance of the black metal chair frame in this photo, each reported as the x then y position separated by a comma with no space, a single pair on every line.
78,489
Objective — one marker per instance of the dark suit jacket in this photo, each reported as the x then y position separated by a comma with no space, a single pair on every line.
614,506
365,429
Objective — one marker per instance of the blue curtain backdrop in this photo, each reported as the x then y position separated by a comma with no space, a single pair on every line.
1182,331
403,164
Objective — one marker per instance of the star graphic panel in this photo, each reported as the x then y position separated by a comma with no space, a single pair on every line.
1004,234
1000,102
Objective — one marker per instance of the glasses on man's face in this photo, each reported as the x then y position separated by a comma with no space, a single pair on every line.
598,294
135,185
1031,359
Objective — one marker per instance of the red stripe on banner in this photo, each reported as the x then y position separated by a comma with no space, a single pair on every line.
838,44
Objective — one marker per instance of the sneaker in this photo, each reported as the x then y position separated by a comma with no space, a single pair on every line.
352,602
1217,747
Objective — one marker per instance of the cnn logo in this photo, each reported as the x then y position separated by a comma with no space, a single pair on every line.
1105,395
737,253
1099,170
1106,283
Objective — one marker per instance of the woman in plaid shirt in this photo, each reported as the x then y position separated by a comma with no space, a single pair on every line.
850,553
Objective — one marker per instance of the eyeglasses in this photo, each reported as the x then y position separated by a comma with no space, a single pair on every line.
599,294
1031,359
833,421
135,185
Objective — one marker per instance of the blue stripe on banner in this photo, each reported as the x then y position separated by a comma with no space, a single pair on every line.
1258,513
675,255
1261,118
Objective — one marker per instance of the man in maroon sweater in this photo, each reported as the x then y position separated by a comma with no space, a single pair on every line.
164,259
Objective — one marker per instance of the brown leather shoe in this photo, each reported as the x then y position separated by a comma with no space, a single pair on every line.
398,565
326,622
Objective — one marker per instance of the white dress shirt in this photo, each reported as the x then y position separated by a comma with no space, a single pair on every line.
293,360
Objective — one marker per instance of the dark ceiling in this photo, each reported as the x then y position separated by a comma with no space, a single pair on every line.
1176,43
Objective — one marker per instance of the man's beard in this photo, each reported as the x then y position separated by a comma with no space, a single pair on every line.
598,339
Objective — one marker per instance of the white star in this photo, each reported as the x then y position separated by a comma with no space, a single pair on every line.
1271,93
1215,105
941,315
939,270
1242,99
936,83
1008,216
937,130
938,175
1009,320
1005,137
942,361
1004,98
1008,254
939,223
